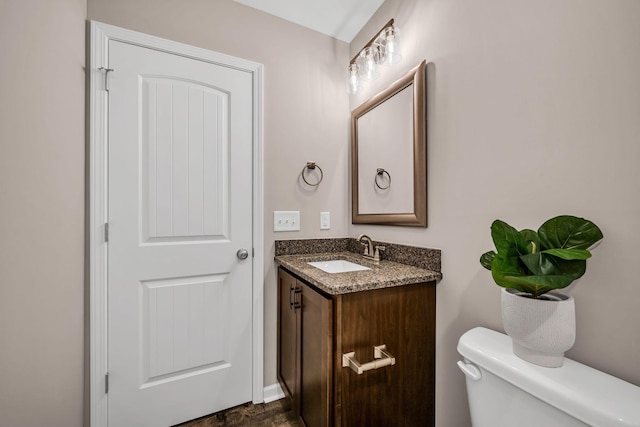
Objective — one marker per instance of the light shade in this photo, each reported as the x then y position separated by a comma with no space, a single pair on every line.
390,46
369,59
354,82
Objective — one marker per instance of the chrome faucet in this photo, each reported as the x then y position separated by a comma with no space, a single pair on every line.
368,245
369,251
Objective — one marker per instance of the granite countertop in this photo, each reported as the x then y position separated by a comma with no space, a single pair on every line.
384,275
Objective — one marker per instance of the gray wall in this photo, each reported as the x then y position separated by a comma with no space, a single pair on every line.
533,112
41,212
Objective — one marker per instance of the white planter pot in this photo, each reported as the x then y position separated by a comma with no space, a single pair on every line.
541,330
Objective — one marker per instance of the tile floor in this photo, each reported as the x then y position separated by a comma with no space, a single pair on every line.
272,414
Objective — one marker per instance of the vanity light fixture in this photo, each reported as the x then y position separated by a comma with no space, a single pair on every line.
382,49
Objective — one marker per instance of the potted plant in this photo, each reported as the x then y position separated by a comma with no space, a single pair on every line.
529,265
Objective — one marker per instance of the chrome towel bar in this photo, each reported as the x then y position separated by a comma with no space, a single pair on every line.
380,354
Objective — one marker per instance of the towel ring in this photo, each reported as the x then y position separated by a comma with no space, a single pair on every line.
312,165
381,172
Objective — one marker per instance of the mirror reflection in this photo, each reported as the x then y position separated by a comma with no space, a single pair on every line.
389,155
385,172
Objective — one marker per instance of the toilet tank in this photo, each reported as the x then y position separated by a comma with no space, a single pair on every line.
506,391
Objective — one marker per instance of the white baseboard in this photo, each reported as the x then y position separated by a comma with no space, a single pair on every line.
273,392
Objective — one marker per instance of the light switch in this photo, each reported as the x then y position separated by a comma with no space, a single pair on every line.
325,220
286,220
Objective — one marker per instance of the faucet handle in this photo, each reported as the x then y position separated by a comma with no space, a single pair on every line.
366,248
377,254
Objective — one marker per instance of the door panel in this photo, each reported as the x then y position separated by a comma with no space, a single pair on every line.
185,145
180,191
181,333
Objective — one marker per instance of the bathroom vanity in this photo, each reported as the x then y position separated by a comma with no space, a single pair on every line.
380,322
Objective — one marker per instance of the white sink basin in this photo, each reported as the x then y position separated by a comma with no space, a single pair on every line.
338,266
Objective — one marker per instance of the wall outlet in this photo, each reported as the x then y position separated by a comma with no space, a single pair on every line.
325,220
286,220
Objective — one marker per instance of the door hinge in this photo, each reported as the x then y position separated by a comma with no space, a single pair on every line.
253,252
106,232
106,77
106,383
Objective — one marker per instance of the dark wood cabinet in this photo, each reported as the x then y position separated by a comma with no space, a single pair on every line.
316,349
315,330
403,319
305,349
288,355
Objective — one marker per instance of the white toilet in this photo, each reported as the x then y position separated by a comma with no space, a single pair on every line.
506,391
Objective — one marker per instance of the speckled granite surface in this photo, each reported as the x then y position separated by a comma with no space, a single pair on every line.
384,275
426,258
312,246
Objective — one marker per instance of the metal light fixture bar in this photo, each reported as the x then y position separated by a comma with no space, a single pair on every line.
382,49
372,41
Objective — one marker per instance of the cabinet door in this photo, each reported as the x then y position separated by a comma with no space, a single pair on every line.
402,318
288,314
316,345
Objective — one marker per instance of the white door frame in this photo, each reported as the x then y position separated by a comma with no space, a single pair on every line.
100,35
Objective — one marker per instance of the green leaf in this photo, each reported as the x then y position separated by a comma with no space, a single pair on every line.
569,254
507,266
510,244
487,259
538,285
535,289
530,240
541,264
505,237
569,232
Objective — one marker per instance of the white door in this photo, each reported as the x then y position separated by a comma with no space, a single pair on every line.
180,207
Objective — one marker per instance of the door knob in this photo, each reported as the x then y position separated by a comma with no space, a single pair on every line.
242,254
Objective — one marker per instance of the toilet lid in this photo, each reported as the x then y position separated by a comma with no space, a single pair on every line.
589,395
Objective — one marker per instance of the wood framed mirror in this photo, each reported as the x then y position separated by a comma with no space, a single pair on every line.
389,155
